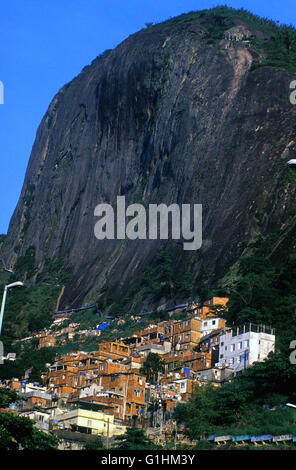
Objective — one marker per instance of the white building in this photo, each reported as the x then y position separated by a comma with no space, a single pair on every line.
240,346
41,418
154,348
209,324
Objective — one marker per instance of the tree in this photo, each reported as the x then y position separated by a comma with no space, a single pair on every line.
241,403
134,439
263,292
39,440
94,445
17,432
200,413
153,364
7,397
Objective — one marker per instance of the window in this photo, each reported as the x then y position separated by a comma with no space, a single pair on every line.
213,322
233,347
240,345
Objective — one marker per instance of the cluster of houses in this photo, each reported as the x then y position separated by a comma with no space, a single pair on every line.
88,394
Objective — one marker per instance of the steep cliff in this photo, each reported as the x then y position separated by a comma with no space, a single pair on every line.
180,112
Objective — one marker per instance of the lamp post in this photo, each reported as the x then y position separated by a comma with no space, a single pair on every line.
292,163
9,286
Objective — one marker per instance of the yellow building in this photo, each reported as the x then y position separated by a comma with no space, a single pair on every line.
89,422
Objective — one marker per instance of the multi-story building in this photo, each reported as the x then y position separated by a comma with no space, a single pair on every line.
143,350
210,324
47,341
122,392
187,362
211,307
132,387
114,350
183,334
239,347
90,422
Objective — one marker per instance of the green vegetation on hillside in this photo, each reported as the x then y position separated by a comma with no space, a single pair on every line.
277,42
260,292
28,309
153,365
161,280
252,403
17,431
158,282
134,439
29,358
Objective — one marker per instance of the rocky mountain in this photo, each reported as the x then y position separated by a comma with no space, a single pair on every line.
194,110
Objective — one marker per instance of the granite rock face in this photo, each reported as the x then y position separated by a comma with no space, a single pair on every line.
166,117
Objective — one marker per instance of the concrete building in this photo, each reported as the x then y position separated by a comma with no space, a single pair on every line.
210,324
40,417
47,341
211,307
89,422
145,349
184,334
241,346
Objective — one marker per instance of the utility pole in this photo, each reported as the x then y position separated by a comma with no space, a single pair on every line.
108,444
124,402
175,440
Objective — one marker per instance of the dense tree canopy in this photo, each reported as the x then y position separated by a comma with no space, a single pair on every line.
134,439
260,292
152,366
17,432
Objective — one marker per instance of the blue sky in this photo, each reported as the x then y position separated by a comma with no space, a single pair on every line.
44,44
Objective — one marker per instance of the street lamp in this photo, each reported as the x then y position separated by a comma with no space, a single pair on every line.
292,163
9,286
